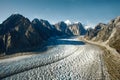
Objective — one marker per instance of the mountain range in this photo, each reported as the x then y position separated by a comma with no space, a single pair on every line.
19,34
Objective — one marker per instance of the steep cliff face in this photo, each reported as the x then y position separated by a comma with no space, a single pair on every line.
77,29
62,27
108,33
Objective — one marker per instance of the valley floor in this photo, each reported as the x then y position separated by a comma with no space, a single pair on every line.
65,59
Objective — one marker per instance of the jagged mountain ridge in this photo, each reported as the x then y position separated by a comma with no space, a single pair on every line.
71,29
19,34
62,27
77,29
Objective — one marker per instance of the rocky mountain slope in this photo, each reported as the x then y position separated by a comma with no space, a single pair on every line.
19,34
107,33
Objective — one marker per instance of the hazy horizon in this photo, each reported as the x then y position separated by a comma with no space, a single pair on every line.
89,12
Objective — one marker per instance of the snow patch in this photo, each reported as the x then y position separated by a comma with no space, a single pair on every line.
68,22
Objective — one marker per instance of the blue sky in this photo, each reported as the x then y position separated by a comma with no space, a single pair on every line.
88,12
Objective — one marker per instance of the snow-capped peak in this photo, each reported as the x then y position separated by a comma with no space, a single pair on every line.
68,22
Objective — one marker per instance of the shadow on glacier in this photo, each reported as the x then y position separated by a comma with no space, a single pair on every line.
65,42
55,42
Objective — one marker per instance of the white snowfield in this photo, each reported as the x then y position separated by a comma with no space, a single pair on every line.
68,59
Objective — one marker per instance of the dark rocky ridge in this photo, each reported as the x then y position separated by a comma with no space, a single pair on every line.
108,33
